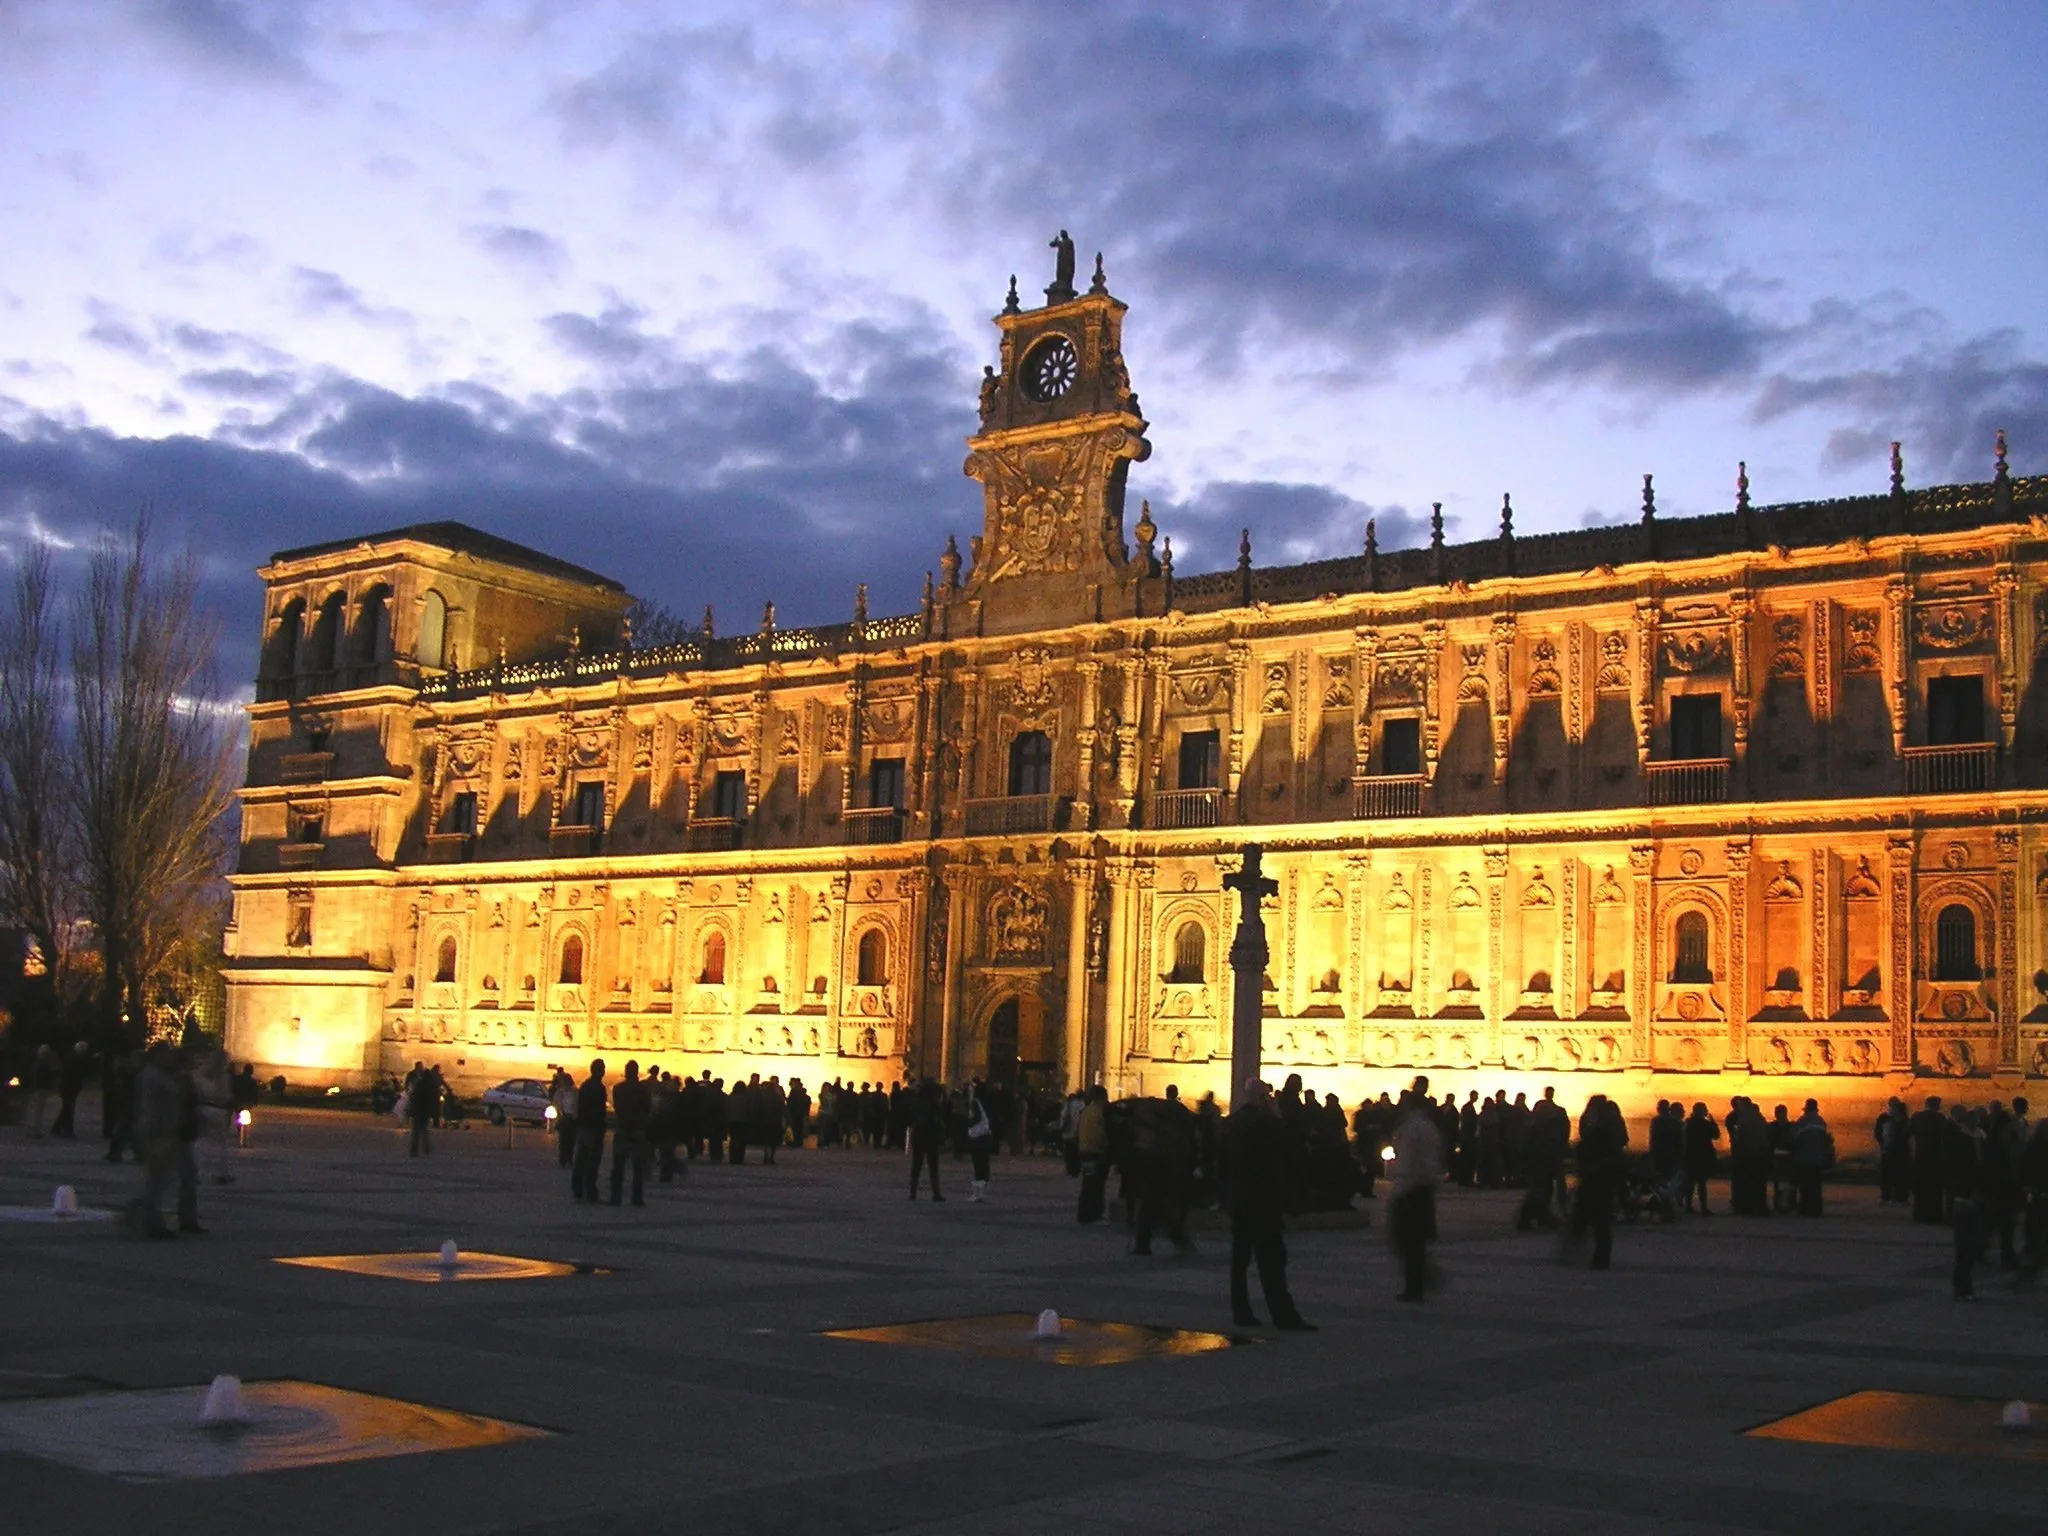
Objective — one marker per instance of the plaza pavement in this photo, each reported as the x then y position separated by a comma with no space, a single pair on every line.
691,1391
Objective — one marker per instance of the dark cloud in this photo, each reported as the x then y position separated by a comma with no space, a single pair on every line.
262,39
1289,522
655,85
1944,403
520,245
1367,179
110,328
323,292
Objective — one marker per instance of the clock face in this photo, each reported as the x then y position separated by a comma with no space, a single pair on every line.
1050,369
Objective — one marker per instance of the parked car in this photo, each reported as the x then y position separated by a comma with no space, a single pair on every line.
519,1098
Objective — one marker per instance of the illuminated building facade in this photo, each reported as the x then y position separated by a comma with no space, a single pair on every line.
1687,807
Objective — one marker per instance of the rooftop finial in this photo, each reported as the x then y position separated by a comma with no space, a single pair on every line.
1742,487
860,603
949,564
1507,517
1436,541
927,603
1649,500
709,628
1010,304
1998,461
1372,553
1244,568
1099,283
1146,532
767,617
1898,469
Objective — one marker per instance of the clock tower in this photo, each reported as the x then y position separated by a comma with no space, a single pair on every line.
1060,428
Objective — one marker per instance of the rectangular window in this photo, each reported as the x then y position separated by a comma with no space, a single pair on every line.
462,813
1201,759
729,796
1955,710
1695,726
1401,746
308,827
885,783
587,809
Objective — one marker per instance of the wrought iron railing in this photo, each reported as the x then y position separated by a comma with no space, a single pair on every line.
1173,808
1690,781
1951,770
1377,796
874,824
715,834
1011,813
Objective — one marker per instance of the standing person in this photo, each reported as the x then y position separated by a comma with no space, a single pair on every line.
981,1136
70,1084
562,1094
927,1125
43,1072
422,1106
590,1129
1894,1135
1070,1131
1543,1150
1929,1135
188,1144
665,1125
1813,1154
1603,1143
1418,1170
1092,1135
632,1109
770,1110
1256,1180
799,1113
1700,1135
739,1118
156,1136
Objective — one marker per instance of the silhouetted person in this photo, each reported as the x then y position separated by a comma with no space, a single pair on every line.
1603,1143
1256,1178
927,1125
1543,1150
1418,1170
1700,1135
632,1109
1813,1154
590,1129
1929,1133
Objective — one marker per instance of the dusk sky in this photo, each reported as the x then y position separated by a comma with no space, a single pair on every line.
698,295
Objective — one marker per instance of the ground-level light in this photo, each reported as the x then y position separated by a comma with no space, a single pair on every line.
1386,1154
243,1120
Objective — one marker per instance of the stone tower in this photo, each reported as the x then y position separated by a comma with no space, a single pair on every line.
1060,428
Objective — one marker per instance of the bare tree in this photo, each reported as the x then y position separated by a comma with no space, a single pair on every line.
154,775
38,850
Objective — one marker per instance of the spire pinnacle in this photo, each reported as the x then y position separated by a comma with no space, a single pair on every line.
1999,471
1649,500
860,603
709,629
1244,568
1372,554
1436,540
1010,304
1742,487
1898,469
1099,283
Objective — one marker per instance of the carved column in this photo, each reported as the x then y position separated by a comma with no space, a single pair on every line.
1432,697
1367,665
1496,947
2005,586
2007,959
1570,915
1117,997
1503,697
1642,863
1898,661
1741,985
762,747
913,889
1824,982
1647,619
1900,982
1090,674
922,793
970,740
1424,981
1820,671
957,939
1073,1049
1356,869
851,741
1139,738
1740,612
1307,702
1240,686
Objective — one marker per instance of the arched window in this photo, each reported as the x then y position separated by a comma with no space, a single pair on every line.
713,973
1031,764
444,962
1692,950
284,643
328,634
372,622
571,973
432,648
874,958
1955,944
1190,954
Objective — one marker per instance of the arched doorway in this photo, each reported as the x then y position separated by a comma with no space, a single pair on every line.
1002,1044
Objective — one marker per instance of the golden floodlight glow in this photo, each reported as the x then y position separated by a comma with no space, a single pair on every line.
1012,1336
1910,1421
427,1268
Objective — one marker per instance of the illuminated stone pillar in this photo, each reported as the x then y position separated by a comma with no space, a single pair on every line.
1503,693
1899,979
1073,1058
1084,773
1496,949
2005,586
1642,863
1117,994
956,944
2007,959
1240,683
1741,987
1898,663
1647,619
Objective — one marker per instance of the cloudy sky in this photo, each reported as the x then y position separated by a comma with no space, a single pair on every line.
698,294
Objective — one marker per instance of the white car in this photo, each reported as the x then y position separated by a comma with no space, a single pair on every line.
519,1098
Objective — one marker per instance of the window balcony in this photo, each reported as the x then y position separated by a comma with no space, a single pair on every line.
1691,781
1378,796
460,847
1012,814
715,834
1962,769
874,824
1175,808
570,841
304,767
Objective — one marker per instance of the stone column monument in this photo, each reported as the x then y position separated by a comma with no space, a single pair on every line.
1248,958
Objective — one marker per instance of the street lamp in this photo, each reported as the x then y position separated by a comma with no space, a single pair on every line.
243,1120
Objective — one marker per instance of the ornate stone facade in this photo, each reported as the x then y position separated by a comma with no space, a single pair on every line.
1742,802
